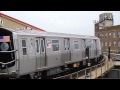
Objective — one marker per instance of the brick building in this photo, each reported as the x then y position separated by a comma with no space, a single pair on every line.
10,22
108,33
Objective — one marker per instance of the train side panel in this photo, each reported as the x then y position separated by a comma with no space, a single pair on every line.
76,53
53,52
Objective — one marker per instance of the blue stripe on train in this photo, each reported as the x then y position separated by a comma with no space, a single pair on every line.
1,37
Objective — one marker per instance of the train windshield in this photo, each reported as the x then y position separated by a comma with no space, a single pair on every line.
6,49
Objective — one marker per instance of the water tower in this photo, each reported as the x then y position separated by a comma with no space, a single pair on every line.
105,20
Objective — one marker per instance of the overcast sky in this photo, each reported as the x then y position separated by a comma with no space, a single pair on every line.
73,22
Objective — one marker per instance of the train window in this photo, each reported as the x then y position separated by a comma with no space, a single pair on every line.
76,45
24,47
23,43
55,45
83,44
64,44
42,45
55,41
24,51
37,46
90,43
68,44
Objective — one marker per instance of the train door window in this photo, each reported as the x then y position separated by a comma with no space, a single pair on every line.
90,42
24,47
37,46
55,45
76,45
66,44
42,45
83,44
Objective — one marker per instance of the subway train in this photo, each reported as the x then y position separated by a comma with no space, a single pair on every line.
31,53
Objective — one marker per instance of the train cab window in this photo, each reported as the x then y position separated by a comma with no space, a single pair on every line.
24,47
76,45
42,45
55,45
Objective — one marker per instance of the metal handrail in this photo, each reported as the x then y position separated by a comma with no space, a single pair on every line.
7,51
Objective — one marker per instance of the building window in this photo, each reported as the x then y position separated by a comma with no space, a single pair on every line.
109,34
119,44
102,35
109,43
99,35
114,43
55,45
119,34
106,34
102,44
105,43
114,35
24,47
76,45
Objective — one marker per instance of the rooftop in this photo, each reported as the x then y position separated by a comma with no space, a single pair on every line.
21,22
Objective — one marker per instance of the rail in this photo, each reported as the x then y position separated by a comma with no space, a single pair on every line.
91,72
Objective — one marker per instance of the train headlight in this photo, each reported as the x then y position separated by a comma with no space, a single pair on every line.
4,46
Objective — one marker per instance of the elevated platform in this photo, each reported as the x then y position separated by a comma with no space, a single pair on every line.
98,70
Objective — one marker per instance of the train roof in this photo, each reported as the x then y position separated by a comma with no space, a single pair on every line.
52,34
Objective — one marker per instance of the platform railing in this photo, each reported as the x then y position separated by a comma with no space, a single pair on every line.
92,72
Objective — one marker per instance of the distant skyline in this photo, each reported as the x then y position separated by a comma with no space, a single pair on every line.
73,22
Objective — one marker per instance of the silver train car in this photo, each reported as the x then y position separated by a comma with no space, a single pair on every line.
31,52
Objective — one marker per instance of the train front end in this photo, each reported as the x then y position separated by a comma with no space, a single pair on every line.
7,52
